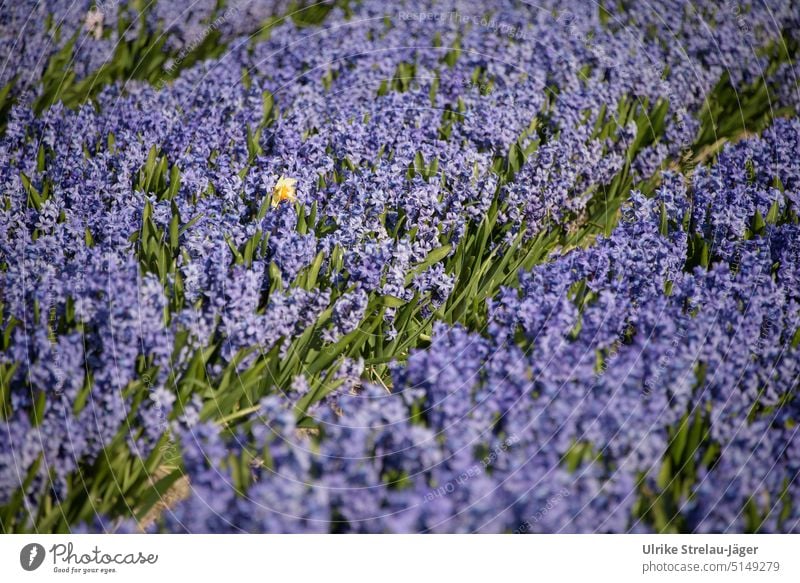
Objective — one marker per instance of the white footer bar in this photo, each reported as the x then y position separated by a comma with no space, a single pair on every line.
400,558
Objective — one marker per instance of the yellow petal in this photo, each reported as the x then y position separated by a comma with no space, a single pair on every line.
284,190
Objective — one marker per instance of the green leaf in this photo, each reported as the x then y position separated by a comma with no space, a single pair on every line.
432,258
392,302
268,105
174,232
157,492
190,224
758,223
313,271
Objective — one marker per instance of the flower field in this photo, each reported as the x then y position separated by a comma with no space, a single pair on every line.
360,266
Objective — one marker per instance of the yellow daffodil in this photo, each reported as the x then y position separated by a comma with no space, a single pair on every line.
284,190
